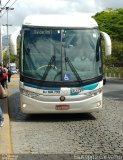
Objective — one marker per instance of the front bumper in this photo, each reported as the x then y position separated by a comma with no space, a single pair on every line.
30,105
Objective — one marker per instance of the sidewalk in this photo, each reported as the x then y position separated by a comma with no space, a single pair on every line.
5,131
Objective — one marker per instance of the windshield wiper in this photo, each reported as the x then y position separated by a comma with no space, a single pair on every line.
52,60
72,67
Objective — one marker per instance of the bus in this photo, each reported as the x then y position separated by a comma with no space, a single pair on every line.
13,68
61,66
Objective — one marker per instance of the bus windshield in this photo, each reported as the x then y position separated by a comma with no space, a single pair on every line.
61,54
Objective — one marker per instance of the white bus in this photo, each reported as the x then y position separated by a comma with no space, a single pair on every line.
61,67
13,68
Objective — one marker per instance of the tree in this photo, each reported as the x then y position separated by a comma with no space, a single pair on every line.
5,58
111,21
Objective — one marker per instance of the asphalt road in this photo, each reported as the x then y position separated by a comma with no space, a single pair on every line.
96,133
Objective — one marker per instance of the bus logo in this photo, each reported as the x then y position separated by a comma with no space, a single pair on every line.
76,90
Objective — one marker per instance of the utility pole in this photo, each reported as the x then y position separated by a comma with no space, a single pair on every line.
1,57
7,25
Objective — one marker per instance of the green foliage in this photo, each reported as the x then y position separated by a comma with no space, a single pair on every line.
5,58
116,59
13,59
111,22
117,52
113,71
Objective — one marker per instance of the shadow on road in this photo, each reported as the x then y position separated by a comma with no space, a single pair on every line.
60,117
16,115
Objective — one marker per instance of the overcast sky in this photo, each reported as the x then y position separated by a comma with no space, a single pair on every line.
23,8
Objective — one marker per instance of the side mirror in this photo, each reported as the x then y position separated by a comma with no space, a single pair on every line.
107,43
104,80
13,42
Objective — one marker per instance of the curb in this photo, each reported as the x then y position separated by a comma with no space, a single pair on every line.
5,131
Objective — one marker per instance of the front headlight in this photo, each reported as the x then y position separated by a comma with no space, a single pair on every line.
94,92
29,93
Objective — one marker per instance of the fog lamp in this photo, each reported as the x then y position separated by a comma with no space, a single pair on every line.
24,105
98,103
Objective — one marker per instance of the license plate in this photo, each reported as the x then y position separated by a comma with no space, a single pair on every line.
62,107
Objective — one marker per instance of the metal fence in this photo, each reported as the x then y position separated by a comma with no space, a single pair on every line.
114,72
